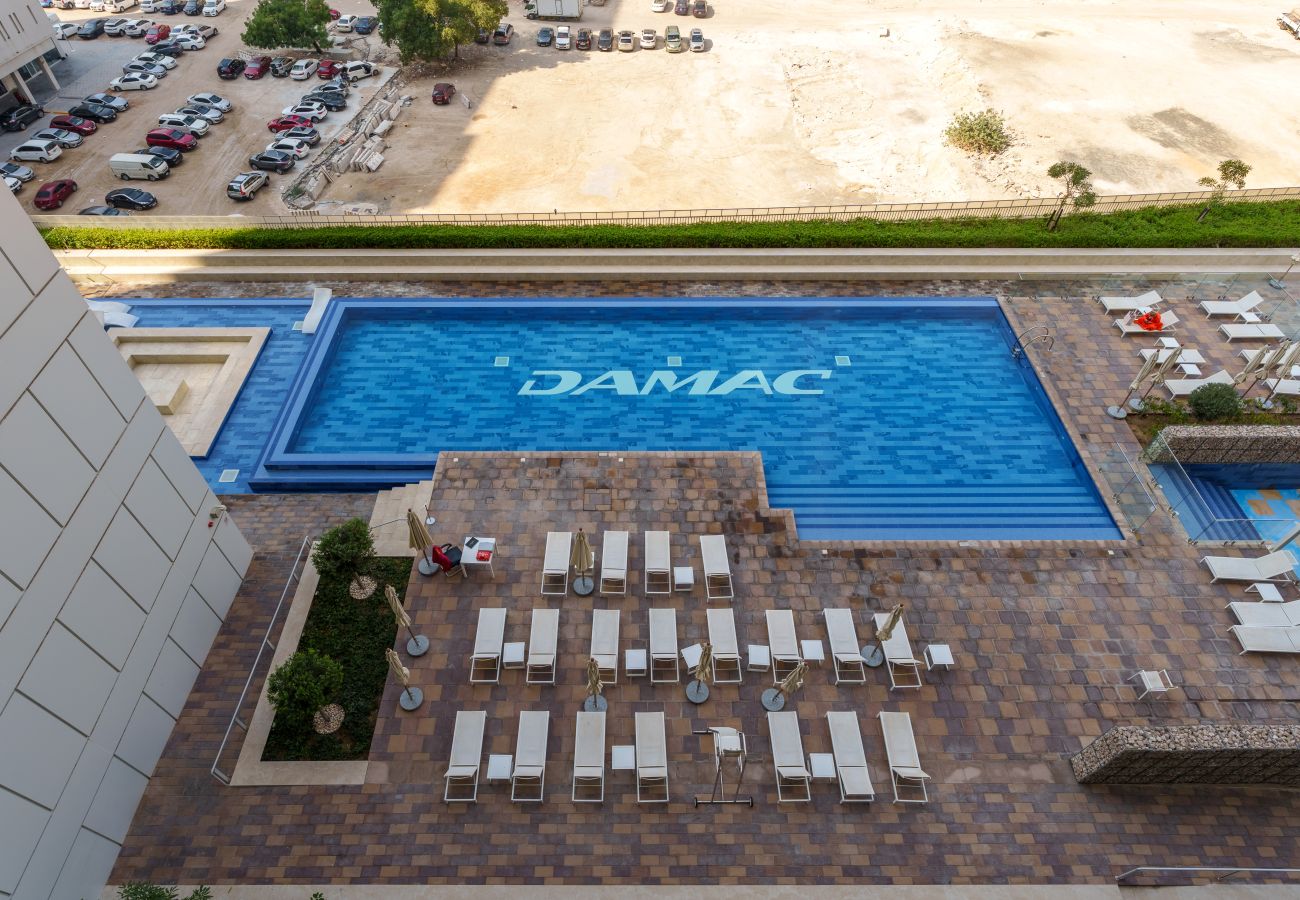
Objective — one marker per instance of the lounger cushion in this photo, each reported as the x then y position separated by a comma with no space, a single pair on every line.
588,772
909,772
856,781
529,771
652,772
849,658
461,771
793,772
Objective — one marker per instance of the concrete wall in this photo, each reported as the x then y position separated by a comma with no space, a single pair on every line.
1192,754
112,583
25,33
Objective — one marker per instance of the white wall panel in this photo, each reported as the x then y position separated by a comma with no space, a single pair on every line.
39,457
195,627
145,735
172,677
101,357
28,345
9,595
13,297
180,471
115,801
103,615
37,751
134,561
68,679
234,547
26,251
215,579
21,822
71,396
159,509
88,867
28,535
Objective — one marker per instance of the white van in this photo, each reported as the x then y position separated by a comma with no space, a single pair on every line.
141,166
213,7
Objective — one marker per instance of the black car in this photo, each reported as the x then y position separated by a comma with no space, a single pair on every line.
332,101
173,158
365,24
18,118
545,36
583,40
272,161
281,66
229,69
91,29
102,211
699,9
483,36
170,7
683,8
95,112
170,48
130,198
192,8
605,40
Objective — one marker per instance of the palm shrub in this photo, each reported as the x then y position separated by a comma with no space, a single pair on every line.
344,552
1215,401
306,682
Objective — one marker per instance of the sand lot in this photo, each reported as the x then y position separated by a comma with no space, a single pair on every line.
808,104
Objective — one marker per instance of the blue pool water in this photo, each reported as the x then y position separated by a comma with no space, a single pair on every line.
876,419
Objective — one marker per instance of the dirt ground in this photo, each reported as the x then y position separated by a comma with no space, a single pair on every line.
809,104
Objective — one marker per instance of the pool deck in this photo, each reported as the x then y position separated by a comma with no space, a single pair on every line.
1044,636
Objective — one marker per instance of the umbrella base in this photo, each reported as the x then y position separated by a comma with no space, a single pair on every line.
584,585
697,692
426,567
417,646
873,655
595,703
773,700
411,699
1117,412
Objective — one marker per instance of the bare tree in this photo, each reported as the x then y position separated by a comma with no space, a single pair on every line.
1077,191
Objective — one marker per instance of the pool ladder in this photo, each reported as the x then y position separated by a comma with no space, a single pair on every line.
1030,336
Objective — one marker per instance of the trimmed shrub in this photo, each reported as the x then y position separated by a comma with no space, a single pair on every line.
978,132
344,551
306,682
1215,401
139,890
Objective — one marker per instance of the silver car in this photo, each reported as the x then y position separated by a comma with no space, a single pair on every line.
135,67
13,170
216,101
61,136
188,124
210,113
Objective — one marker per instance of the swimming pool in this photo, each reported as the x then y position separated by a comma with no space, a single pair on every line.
876,418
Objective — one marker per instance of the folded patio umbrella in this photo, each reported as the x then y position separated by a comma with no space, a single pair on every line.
704,668
794,681
594,685
581,557
400,614
886,631
418,539
400,672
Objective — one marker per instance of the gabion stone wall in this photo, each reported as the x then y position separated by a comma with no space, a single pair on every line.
1192,754
1214,444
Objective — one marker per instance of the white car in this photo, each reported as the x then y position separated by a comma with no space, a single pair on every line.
96,6
661,5
65,30
213,100
214,7
157,59
345,23
36,151
626,41
293,146
697,40
207,113
649,39
116,27
304,69
149,6
135,67
355,71
189,124
136,82
190,41
308,109
563,38
13,184
137,28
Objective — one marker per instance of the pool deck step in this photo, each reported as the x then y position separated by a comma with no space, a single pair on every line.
388,519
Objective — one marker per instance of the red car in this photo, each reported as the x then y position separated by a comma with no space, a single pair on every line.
442,93
257,67
328,68
157,33
52,194
74,123
171,137
334,13
284,123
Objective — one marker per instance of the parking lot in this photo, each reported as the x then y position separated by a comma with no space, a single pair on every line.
197,187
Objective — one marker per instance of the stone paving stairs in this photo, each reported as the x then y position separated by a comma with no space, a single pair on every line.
388,519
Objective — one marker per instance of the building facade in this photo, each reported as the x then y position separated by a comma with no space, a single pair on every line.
117,568
27,47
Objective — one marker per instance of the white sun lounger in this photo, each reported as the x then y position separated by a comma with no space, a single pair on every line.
1182,387
1126,325
485,661
604,643
1130,304
466,757
1286,387
651,758
613,563
589,758
1277,566
792,775
116,319
658,564
850,758
1240,332
1267,615
899,659
107,306
528,780
1232,307
1188,355
1263,639
663,645
904,762
726,649
543,635
845,652
555,565
782,643
717,568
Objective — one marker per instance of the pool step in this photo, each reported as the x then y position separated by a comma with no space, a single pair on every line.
1202,506
388,519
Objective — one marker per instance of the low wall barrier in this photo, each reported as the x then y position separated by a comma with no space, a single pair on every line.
1221,444
1192,754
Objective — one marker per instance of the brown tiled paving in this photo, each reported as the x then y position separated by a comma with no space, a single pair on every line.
1044,635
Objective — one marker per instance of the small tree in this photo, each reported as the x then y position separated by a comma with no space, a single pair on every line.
344,552
305,683
430,30
978,132
1215,401
1077,192
1232,175
288,23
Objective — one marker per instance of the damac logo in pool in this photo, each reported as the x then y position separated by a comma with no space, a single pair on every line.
705,383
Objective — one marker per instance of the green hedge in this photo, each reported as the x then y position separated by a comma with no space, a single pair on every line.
1231,225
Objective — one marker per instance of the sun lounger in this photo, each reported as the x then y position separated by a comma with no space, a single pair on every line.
845,652
1189,360
792,775
782,643
528,780
604,643
1279,566
663,645
555,565
1240,332
1267,615
658,565
116,319
1127,326
651,758
589,758
726,649
904,668
1248,353
717,568
1130,304
904,762
543,635
107,306
1232,307
485,661
850,758
613,563
466,756
1182,387
1263,639
1286,387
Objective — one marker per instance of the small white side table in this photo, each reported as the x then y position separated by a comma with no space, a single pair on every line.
1268,593
634,663
691,656
813,652
622,757
822,766
500,765
760,658
938,655
512,655
683,578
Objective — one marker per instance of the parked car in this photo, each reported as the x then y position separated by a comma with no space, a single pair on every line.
112,101
149,7
313,110
328,68
661,5
20,117
216,101
130,198
138,28
116,27
483,36
257,67
189,41
170,7
626,41
137,67
209,114
442,93
13,170
303,69
355,71
170,47
91,29
331,100
605,40
157,32
563,38
505,31
295,148
344,23
14,185
697,40
134,82
207,32
334,14
272,161
156,59
365,24
245,185
169,155
337,83
36,151
61,136
682,8
171,137
583,40
214,7
230,68
53,193
192,8
649,39
189,124
302,133
281,66
545,36
284,123
699,9
102,211
65,30
74,123
673,39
